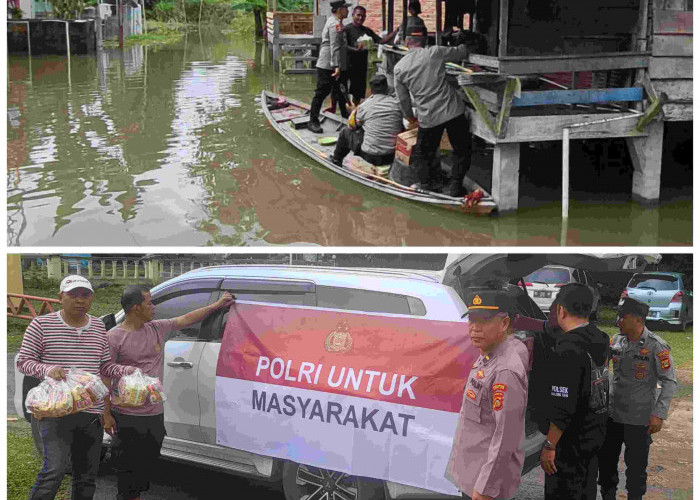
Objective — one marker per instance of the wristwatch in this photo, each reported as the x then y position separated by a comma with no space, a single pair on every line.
548,445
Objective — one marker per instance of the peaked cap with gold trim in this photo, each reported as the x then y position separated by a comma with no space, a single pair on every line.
490,300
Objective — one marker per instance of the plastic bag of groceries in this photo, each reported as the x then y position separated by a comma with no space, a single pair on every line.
87,389
138,389
51,398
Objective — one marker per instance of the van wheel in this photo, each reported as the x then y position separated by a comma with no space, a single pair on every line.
304,482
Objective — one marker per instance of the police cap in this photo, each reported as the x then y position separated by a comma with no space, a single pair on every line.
633,307
490,300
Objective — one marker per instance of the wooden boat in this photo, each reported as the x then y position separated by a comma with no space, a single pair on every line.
356,168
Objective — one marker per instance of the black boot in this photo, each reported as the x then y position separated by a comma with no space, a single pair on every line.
315,127
455,188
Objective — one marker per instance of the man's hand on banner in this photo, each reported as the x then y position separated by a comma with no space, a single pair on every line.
225,300
478,496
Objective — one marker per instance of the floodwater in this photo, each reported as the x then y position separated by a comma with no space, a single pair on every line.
167,146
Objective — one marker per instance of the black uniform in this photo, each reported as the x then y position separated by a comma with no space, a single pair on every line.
357,60
564,389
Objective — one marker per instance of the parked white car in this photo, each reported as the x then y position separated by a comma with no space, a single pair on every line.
544,284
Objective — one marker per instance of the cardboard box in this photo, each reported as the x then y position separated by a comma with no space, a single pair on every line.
406,140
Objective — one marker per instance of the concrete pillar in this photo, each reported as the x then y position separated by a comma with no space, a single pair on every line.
102,269
114,269
646,155
91,273
136,269
172,269
54,267
78,268
66,269
192,266
182,268
124,266
506,176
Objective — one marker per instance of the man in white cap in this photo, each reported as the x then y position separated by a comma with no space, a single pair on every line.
69,338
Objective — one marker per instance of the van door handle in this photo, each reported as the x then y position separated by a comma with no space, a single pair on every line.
180,363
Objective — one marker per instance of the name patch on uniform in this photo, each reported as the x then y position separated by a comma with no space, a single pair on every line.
642,358
471,394
560,391
665,359
475,384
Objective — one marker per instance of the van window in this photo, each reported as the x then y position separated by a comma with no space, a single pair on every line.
368,301
294,299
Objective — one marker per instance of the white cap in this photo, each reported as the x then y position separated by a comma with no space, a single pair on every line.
74,281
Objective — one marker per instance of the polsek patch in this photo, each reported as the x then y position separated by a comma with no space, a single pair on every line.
471,394
499,392
480,374
559,391
339,27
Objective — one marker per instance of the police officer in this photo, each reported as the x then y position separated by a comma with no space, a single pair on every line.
331,65
574,430
486,459
640,361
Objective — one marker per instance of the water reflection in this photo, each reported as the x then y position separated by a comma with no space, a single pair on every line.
166,146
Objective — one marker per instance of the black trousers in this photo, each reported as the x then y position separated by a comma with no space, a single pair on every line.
428,141
357,76
351,140
327,85
637,441
572,479
140,440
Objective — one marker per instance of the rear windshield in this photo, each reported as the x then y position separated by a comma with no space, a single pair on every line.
549,275
656,281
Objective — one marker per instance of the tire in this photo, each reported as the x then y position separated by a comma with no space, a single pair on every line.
312,483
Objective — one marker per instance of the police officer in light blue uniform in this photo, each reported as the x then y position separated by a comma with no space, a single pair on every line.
640,359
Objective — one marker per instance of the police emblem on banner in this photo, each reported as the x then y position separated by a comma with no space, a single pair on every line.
339,340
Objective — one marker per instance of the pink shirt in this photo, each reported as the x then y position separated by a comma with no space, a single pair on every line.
142,348
486,454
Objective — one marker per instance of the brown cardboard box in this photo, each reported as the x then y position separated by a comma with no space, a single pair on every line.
406,140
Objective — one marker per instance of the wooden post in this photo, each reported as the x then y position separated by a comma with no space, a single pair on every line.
143,16
506,175
438,22
503,29
565,175
383,15
120,18
390,16
646,153
276,48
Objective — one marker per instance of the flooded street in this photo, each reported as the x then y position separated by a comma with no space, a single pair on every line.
167,146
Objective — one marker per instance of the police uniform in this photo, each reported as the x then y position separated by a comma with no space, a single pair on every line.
332,55
486,454
638,367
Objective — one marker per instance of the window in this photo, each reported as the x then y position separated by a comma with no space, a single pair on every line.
176,304
552,275
368,301
656,282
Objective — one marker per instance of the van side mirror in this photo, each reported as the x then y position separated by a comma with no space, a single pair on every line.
109,321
